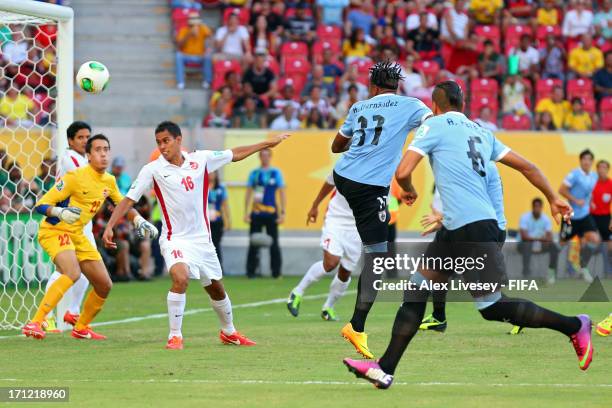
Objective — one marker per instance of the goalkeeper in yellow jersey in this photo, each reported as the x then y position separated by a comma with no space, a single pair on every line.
68,207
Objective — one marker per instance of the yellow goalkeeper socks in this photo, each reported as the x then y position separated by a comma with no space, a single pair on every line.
52,297
93,305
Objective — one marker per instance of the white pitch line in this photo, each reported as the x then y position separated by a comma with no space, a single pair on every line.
196,311
317,382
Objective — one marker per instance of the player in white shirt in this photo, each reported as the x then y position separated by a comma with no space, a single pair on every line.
180,181
74,157
341,245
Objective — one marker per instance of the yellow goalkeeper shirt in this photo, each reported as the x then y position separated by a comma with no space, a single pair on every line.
84,188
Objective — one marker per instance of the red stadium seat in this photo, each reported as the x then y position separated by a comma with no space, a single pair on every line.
329,33
544,88
582,88
220,68
244,15
485,88
543,31
513,35
486,32
606,105
180,17
478,103
298,83
294,48
429,68
589,104
606,122
296,67
291,12
516,122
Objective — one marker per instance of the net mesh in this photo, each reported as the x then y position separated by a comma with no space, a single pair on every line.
28,93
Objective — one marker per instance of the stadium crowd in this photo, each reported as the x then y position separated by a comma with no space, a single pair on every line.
525,64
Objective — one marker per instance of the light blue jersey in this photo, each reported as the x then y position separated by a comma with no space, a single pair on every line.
459,151
496,194
379,127
581,186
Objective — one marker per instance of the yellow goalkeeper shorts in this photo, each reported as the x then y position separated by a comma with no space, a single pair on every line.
56,241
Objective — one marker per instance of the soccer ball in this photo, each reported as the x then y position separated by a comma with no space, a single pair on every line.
93,77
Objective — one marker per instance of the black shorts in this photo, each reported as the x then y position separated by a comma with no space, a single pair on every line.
369,205
478,243
603,226
577,227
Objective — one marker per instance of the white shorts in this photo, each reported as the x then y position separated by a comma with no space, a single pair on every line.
200,258
342,242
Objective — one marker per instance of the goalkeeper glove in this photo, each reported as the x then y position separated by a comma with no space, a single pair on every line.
144,229
69,215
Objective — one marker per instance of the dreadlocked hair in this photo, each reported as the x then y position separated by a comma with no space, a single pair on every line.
386,74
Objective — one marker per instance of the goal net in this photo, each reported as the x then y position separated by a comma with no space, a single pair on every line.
35,109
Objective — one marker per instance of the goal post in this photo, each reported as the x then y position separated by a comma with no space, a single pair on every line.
36,107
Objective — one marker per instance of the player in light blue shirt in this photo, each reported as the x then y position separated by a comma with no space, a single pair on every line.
577,187
457,146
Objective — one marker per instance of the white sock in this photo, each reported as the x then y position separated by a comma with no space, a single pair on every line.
315,272
176,309
78,293
52,279
337,288
224,311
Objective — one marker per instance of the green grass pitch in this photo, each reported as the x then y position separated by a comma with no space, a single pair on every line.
297,362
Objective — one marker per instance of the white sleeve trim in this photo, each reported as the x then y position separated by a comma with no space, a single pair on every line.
416,149
567,183
341,133
503,154
426,116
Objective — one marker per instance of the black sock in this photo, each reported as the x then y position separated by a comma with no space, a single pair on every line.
524,313
365,295
407,321
439,305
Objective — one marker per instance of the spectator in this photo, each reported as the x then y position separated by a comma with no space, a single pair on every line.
262,38
330,11
528,58
141,249
4,169
274,18
191,48
545,122
121,177
218,117
316,101
218,211
117,260
248,117
301,27
602,80
585,59
186,4
485,119
486,12
552,58
317,78
578,21
513,96
261,78
388,40
355,48
349,78
455,24
536,237
346,103
45,180
389,19
578,120
556,106
22,196
16,108
424,40
247,93
314,120
332,72
286,97
518,12
15,50
225,99
548,15
233,41
490,63
360,17
419,17
286,121
264,209
603,21
414,83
